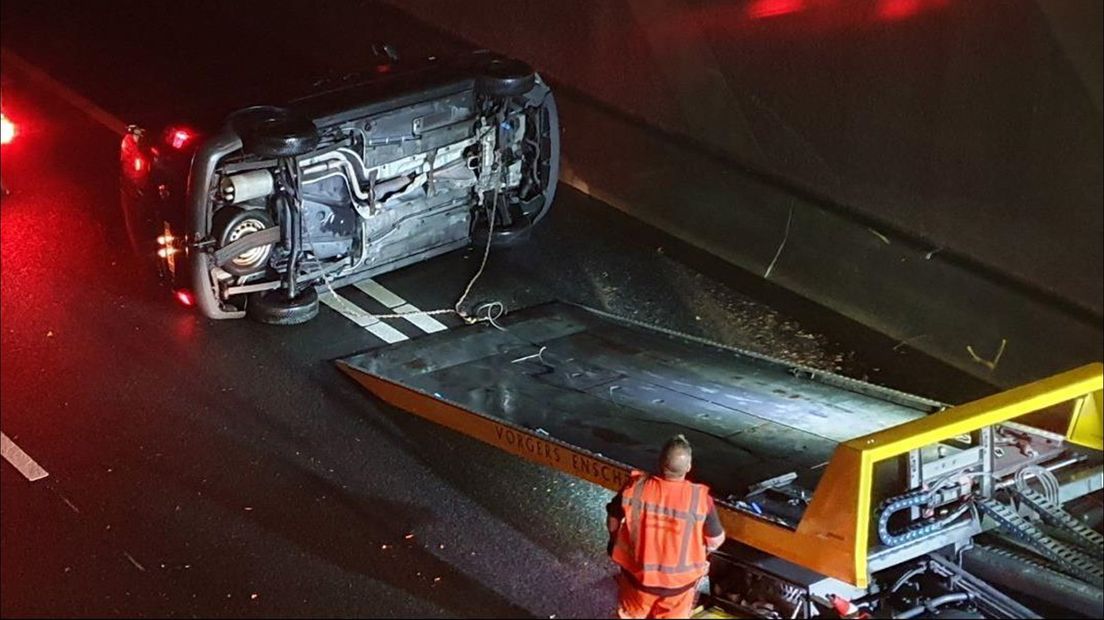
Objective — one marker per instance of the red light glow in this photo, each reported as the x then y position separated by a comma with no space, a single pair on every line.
134,163
185,297
762,9
893,10
7,130
179,138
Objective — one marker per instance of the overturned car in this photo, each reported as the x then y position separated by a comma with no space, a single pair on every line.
250,215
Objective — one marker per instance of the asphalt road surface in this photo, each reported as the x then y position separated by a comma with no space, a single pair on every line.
201,468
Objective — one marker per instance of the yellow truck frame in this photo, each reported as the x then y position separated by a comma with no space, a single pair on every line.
833,536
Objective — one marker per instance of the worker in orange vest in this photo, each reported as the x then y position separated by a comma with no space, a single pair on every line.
662,529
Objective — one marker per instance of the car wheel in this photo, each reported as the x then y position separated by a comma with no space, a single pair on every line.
233,223
505,77
550,154
274,307
274,132
532,212
519,232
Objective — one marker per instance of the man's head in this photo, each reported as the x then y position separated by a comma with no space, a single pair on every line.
675,459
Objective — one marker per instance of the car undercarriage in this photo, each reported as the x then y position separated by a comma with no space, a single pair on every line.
349,183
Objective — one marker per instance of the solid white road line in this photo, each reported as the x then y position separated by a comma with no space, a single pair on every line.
21,460
354,313
398,305
43,79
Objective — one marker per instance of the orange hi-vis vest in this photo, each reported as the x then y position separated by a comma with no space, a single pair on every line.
662,540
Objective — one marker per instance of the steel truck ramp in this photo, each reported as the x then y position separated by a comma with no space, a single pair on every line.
596,396
617,391
798,459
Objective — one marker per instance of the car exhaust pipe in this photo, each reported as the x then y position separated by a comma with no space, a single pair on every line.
245,186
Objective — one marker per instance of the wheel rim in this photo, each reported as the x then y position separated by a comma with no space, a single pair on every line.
254,257
542,156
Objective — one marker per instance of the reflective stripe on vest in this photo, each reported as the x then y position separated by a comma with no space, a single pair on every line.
634,528
683,563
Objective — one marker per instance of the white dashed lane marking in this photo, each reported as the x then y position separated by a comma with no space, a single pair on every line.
364,319
398,305
21,460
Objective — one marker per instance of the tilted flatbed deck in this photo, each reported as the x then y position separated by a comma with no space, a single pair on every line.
619,391
596,396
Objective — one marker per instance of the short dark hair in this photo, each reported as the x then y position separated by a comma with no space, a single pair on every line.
670,462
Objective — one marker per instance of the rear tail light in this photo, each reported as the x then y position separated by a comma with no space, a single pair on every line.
7,129
134,162
179,138
185,297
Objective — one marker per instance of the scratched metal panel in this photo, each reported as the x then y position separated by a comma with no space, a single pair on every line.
761,391
625,434
621,392
656,402
460,346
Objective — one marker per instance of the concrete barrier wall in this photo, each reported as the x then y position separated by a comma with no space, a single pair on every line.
938,162
909,291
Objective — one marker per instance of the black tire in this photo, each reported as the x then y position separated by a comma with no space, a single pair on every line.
553,176
273,132
520,232
230,224
505,77
274,308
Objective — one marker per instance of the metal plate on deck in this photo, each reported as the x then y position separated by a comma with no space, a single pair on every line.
619,391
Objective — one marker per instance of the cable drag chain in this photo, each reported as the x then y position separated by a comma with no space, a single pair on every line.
1087,538
1070,560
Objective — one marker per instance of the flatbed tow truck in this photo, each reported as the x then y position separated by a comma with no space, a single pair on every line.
830,489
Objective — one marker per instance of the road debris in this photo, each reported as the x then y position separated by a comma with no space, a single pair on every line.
782,244
134,562
879,235
990,364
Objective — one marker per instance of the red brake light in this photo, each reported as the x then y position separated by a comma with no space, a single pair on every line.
185,297
762,9
134,163
179,137
7,130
